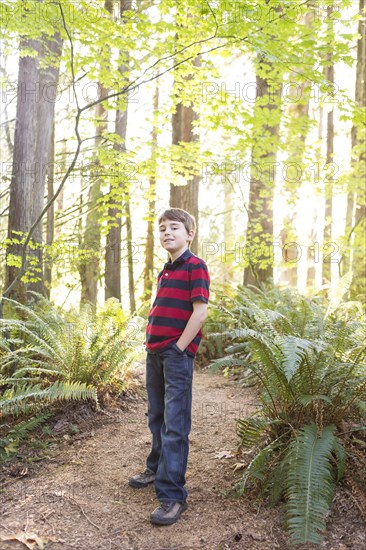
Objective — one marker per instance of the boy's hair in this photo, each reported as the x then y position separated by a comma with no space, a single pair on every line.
179,215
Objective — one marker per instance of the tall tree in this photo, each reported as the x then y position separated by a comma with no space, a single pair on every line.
149,244
89,267
32,141
353,258
266,120
50,219
328,213
298,127
112,275
186,196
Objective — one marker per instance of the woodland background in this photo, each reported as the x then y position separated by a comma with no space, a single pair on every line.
250,115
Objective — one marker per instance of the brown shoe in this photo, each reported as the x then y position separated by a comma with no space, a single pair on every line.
139,481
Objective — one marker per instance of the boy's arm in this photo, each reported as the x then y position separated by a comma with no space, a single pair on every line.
193,325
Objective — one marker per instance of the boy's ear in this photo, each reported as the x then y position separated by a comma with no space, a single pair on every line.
191,235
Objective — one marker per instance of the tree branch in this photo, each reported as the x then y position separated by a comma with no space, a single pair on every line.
130,87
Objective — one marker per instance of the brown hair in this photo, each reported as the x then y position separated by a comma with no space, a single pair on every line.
179,215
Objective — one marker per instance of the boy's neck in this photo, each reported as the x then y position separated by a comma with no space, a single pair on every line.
173,256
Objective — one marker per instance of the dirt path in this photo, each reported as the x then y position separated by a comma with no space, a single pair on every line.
80,497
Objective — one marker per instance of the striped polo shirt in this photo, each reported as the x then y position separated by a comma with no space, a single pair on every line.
180,283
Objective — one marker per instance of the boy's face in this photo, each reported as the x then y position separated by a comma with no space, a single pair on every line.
173,236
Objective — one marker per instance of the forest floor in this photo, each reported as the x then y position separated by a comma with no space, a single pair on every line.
77,495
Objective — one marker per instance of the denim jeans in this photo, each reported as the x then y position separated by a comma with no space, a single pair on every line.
169,376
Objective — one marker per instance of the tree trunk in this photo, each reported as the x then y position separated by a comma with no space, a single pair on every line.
33,128
186,196
50,220
355,198
89,267
113,243
149,247
131,283
229,242
259,242
296,140
328,213
112,278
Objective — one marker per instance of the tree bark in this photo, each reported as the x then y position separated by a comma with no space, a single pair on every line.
186,196
328,213
32,140
298,129
131,282
50,219
149,246
112,278
89,267
259,242
355,198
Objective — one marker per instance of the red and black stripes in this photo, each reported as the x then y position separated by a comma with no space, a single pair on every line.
180,283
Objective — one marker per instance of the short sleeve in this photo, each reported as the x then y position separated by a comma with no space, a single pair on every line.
200,283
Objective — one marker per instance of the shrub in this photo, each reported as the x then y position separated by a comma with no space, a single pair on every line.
47,356
308,358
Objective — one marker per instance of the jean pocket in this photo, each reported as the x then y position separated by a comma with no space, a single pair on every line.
178,350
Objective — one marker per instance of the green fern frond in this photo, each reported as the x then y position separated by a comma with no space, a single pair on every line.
310,484
294,350
43,345
279,321
36,370
222,362
341,458
257,468
337,293
19,399
237,348
305,399
276,482
250,430
46,333
10,442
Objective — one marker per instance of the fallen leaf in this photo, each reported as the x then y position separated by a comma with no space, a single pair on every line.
224,454
26,538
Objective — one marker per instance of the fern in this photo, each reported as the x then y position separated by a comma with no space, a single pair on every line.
294,350
308,359
250,430
20,400
52,358
18,433
310,484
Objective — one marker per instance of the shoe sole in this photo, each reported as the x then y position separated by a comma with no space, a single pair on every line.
138,484
168,521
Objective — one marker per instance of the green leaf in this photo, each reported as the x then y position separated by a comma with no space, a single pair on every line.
310,484
294,351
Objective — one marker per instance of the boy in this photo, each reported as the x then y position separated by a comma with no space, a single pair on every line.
173,335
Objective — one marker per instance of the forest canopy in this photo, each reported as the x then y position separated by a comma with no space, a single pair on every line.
250,115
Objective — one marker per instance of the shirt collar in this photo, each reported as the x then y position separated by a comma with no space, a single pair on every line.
182,258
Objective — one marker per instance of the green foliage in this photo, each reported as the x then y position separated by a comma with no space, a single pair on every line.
308,358
46,356
310,483
9,443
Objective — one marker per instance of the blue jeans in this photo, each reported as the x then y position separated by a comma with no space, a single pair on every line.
169,376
